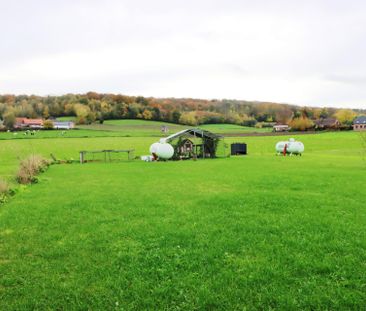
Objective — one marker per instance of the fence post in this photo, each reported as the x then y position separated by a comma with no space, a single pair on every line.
81,157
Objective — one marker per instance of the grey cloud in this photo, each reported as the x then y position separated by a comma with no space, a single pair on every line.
303,42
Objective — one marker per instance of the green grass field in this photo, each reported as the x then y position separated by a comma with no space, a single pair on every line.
153,128
127,128
253,232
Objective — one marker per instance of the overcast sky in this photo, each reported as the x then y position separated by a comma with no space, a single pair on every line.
302,52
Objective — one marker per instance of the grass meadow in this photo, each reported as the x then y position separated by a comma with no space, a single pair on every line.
128,128
153,128
239,233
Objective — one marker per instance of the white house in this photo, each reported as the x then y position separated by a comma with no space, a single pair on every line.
63,125
281,128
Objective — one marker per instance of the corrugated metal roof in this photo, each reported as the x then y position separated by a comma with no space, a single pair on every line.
194,132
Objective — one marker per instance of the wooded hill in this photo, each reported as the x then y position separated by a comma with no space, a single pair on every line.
91,107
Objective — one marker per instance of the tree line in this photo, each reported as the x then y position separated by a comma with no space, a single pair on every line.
92,107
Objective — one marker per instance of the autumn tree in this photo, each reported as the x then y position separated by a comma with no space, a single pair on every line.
90,117
81,112
345,116
87,107
284,116
46,113
301,124
147,114
188,118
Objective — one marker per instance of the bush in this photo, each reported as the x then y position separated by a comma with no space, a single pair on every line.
30,168
258,125
250,122
48,125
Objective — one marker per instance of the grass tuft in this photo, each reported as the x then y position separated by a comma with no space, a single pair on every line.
30,168
4,191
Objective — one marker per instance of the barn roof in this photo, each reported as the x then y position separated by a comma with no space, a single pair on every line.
194,132
27,121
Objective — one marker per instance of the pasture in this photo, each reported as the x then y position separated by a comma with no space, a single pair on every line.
153,128
128,128
253,232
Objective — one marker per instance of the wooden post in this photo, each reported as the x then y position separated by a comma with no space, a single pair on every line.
81,157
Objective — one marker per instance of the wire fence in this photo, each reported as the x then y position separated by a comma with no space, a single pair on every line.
107,155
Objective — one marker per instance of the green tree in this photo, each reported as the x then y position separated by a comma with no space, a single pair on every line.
175,116
90,117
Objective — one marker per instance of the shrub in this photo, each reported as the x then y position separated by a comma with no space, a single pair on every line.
48,125
258,125
29,169
250,122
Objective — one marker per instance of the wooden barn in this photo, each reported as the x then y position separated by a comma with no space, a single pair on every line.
194,143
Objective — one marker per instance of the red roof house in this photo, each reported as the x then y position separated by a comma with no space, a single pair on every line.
28,123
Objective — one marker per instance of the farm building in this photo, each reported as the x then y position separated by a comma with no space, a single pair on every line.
22,123
186,146
193,143
359,124
327,123
63,125
281,128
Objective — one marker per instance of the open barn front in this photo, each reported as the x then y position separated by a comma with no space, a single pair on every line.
196,143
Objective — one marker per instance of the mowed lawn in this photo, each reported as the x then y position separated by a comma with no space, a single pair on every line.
253,232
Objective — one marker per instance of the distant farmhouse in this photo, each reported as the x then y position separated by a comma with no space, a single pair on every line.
281,128
327,123
359,124
63,125
25,123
